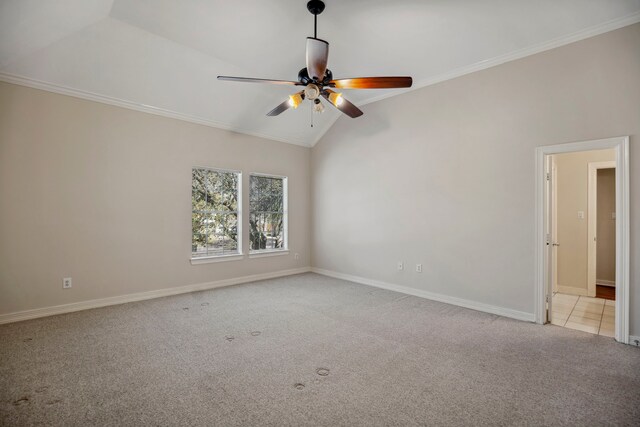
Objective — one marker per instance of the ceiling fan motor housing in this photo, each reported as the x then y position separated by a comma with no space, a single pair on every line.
303,77
328,76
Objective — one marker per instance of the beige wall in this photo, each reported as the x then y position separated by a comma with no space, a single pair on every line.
606,226
444,175
103,194
572,175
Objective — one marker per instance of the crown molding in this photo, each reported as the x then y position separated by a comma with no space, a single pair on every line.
593,31
482,65
123,103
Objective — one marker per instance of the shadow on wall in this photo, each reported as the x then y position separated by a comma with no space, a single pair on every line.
371,123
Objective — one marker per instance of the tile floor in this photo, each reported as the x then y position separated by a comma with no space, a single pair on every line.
595,315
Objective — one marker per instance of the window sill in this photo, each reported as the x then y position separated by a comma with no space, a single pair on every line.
262,254
218,258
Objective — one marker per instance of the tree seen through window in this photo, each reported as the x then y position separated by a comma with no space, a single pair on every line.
214,219
267,216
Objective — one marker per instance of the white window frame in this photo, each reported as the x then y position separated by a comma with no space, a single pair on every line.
230,257
285,217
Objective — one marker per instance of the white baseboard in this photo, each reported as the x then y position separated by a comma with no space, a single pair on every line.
611,283
572,291
473,305
140,296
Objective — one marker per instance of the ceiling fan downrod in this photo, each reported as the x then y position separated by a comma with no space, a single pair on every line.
315,7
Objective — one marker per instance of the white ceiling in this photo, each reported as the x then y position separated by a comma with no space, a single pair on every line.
164,55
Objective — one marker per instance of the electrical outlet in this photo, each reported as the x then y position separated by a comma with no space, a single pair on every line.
296,256
418,268
400,265
580,214
66,283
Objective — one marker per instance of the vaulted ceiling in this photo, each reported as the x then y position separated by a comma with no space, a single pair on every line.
164,55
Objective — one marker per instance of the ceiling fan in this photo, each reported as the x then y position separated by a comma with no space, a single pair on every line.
318,80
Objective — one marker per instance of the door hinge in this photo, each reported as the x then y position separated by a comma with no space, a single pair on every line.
548,176
546,298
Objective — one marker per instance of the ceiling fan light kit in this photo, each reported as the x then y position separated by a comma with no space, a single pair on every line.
317,106
295,100
318,80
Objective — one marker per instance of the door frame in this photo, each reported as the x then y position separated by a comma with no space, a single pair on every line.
554,223
542,285
592,216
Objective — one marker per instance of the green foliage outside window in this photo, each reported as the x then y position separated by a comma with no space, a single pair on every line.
267,216
214,219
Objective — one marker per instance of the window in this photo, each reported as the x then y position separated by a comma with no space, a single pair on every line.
215,213
268,213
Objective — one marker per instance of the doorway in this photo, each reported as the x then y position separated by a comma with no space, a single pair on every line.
580,239
567,236
602,230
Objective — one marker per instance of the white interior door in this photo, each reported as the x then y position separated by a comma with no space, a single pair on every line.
553,186
549,228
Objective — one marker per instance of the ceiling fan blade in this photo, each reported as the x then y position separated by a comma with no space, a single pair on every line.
283,106
343,105
317,55
252,80
372,83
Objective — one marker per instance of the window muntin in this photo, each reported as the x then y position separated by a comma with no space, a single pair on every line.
215,213
267,213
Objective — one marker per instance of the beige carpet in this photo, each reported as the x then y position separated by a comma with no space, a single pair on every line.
309,350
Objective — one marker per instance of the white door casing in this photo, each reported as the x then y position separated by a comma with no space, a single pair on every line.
542,259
